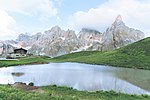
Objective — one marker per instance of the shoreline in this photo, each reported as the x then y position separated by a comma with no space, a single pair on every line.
62,93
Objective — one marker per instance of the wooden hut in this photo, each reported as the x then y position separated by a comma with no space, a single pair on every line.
18,53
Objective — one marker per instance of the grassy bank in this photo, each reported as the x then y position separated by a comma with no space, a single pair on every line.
136,55
63,93
24,61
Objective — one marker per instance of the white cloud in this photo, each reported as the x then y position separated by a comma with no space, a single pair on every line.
135,14
59,2
7,26
58,19
41,8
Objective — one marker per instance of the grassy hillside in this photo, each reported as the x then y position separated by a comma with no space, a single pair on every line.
136,55
63,93
24,61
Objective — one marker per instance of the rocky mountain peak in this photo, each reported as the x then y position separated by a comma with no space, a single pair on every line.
118,21
55,28
119,35
119,18
23,37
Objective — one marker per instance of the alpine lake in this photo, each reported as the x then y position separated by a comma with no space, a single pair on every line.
80,76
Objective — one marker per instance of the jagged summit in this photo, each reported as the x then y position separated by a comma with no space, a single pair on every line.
118,21
119,18
119,35
56,28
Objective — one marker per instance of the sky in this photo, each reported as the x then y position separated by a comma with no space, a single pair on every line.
32,16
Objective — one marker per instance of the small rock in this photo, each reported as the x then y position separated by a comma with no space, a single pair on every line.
31,84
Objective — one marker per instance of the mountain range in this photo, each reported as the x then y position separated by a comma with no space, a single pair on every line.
55,42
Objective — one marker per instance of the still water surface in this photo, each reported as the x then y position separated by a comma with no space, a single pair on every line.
80,76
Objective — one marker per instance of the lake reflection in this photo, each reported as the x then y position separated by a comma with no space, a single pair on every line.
18,74
81,77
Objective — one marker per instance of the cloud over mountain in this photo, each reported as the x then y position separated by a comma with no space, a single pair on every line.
135,12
